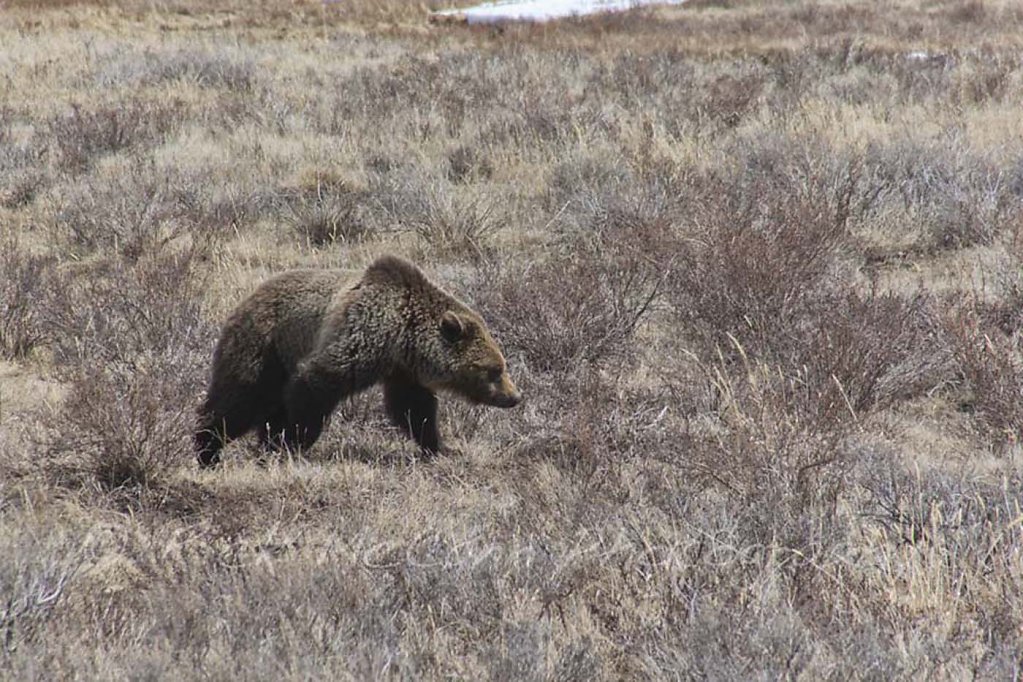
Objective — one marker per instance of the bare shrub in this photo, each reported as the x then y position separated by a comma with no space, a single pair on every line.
212,210
781,444
82,135
206,70
141,212
543,119
6,120
132,214
400,191
763,243
593,423
463,89
22,188
989,362
749,283
467,164
972,11
22,297
730,97
570,308
779,177
918,79
22,157
133,345
758,279
954,196
846,356
638,220
662,82
781,472
35,583
973,206
579,185
986,77
121,310
378,93
843,354
941,513
127,427
213,70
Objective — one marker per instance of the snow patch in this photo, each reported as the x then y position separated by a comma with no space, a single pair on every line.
540,10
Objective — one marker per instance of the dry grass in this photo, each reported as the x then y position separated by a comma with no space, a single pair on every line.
755,266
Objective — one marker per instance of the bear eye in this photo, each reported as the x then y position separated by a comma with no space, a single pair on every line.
494,374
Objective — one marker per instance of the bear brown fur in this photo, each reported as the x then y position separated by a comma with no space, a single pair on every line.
307,339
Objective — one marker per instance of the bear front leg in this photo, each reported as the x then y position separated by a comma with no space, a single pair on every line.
273,433
413,409
219,422
208,441
310,402
315,391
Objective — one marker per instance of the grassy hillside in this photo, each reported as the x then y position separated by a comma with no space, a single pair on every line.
756,267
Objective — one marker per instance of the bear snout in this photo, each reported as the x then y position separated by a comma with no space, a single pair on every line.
508,399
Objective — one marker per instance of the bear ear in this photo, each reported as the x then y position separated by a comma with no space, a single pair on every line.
451,326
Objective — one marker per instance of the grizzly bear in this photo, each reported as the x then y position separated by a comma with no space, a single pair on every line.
307,339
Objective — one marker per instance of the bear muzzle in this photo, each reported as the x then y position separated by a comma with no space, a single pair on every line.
510,399
504,393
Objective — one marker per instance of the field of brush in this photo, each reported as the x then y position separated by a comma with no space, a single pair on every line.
757,267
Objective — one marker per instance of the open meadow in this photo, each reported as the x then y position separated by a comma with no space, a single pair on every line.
757,267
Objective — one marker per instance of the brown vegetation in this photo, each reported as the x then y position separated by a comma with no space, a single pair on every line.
755,265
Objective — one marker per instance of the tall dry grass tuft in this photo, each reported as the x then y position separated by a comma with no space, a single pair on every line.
777,454
22,283
328,214
455,226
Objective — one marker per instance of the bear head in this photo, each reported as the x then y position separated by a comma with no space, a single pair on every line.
467,361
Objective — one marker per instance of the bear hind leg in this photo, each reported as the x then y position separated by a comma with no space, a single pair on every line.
230,413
